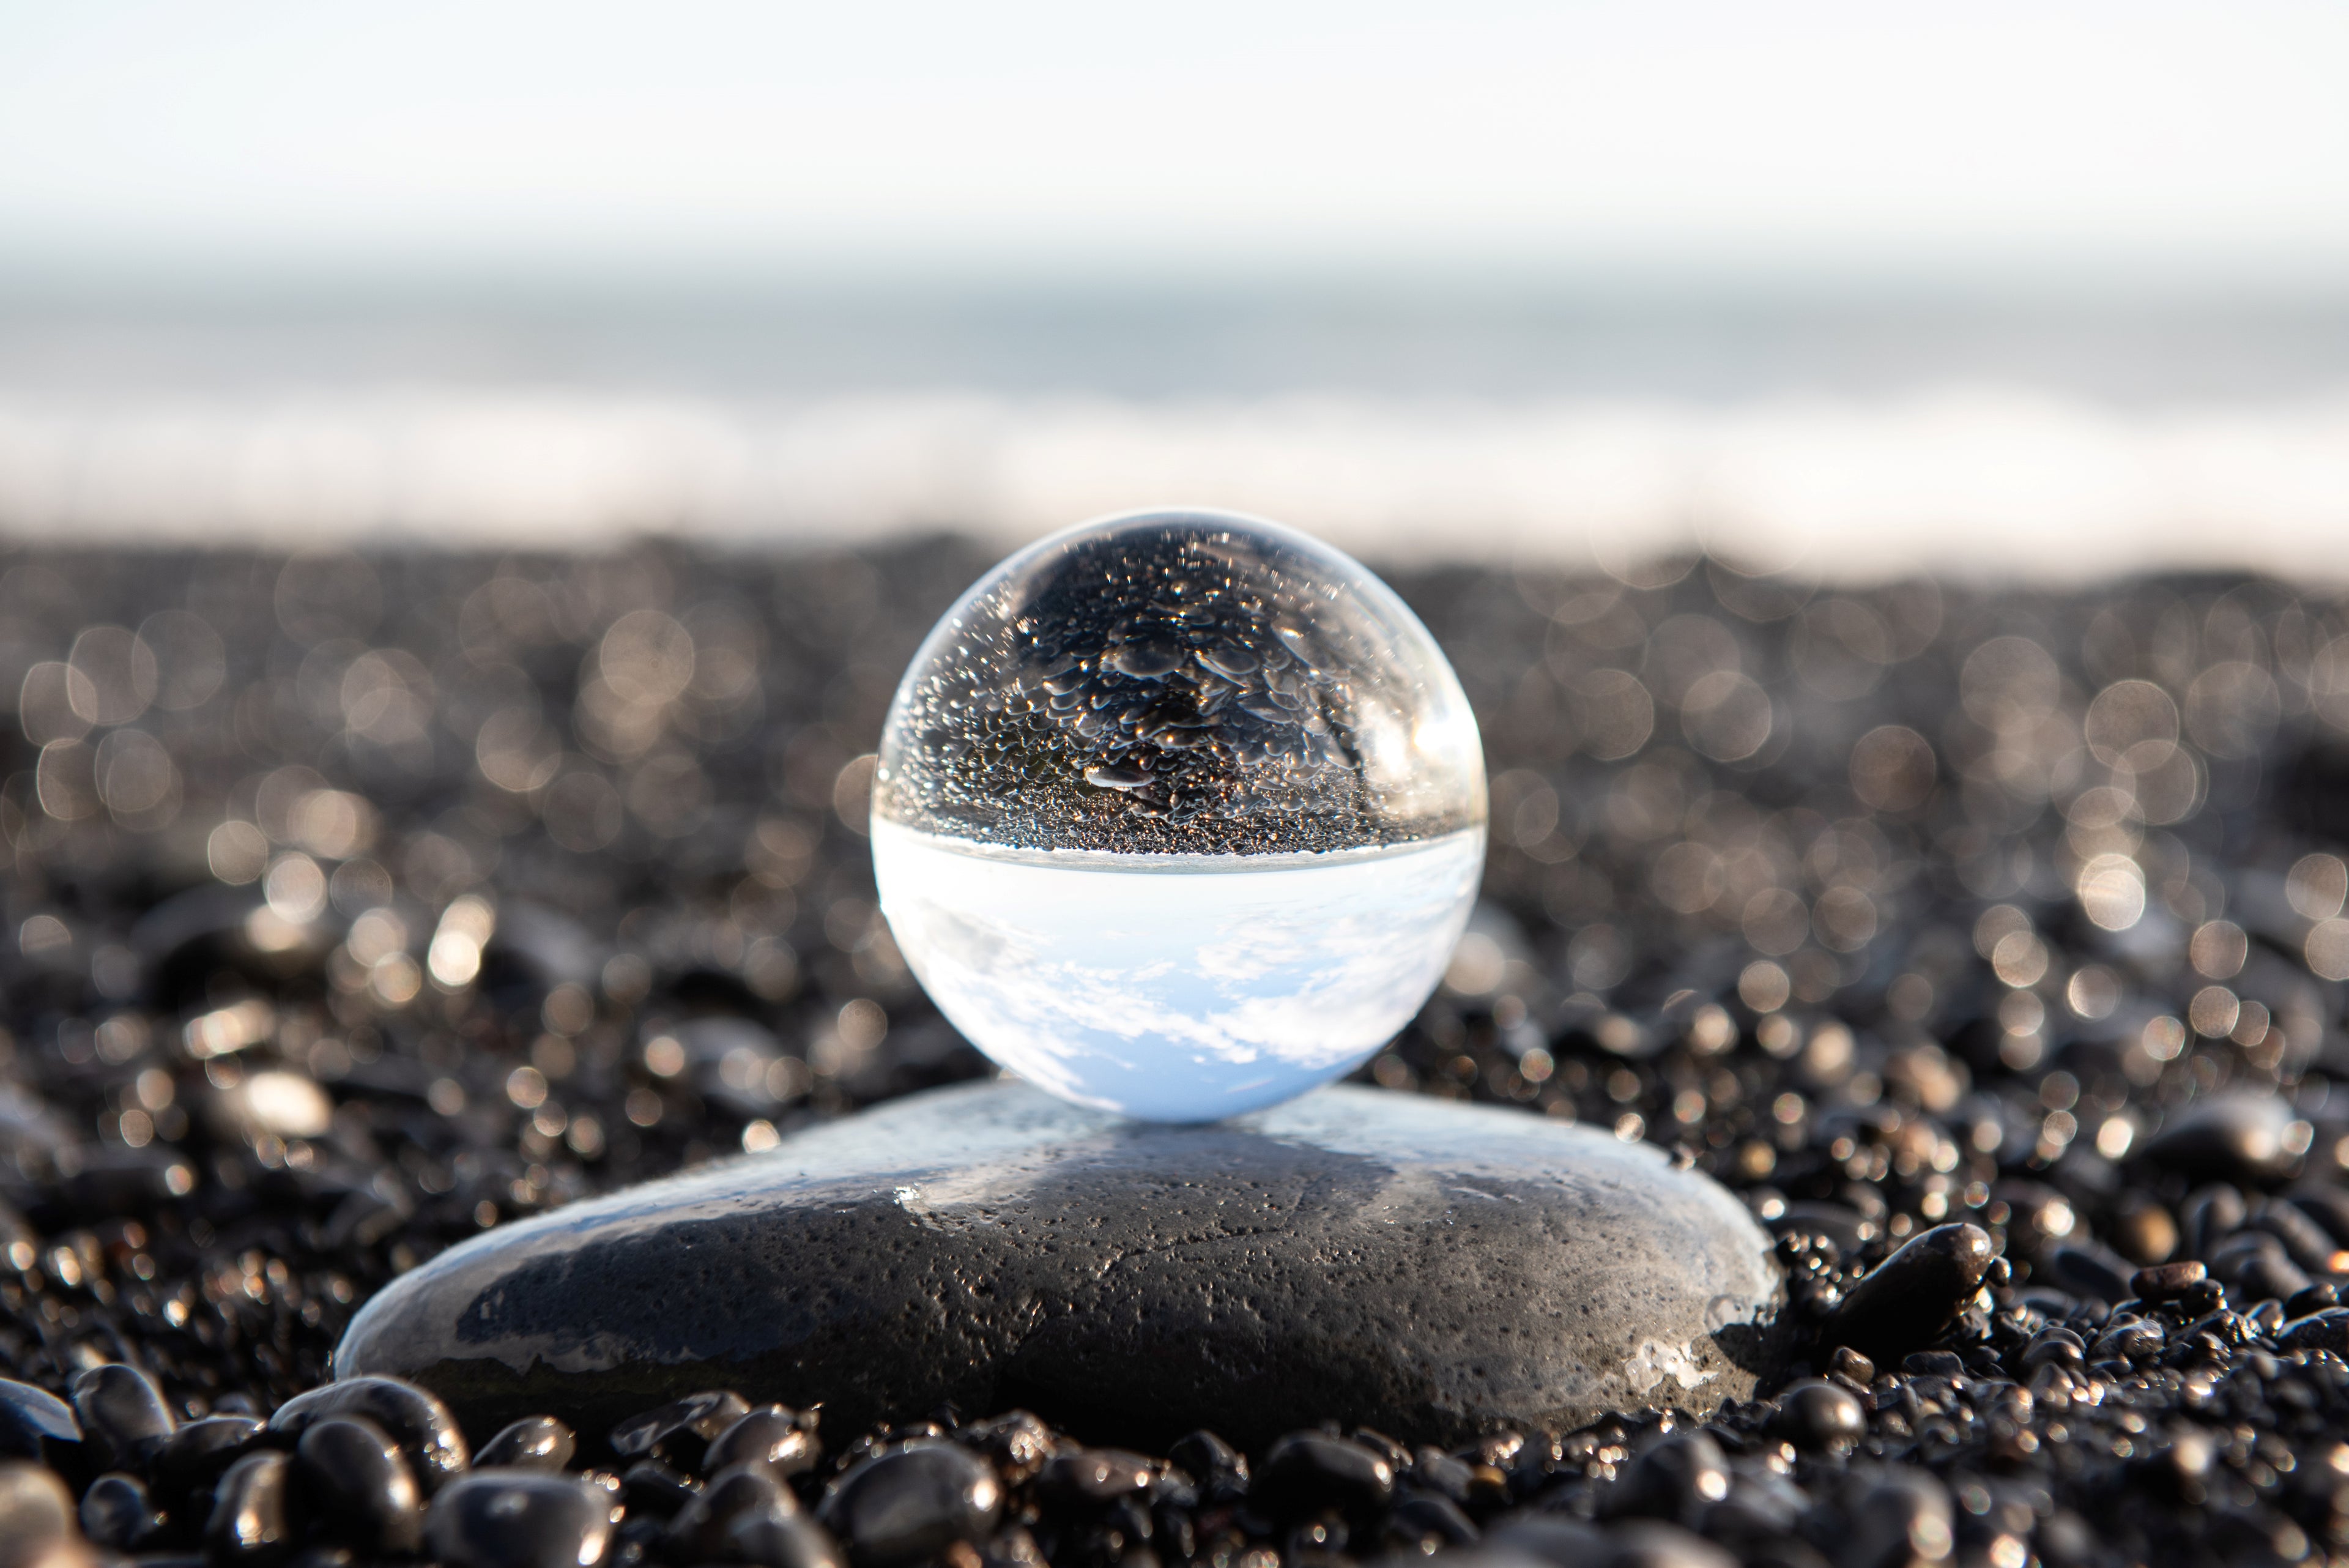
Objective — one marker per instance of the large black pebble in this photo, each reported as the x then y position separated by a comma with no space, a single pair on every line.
415,1417
124,1419
534,1442
1306,1472
774,1436
680,1432
518,1519
358,1482
989,1247
910,1504
2230,1138
253,1519
36,1425
1913,1295
116,1513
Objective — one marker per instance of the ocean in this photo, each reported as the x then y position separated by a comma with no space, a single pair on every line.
1851,432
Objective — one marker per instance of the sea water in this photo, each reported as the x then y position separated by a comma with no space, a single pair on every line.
1176,987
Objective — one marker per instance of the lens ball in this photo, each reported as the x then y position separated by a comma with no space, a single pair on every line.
1178,814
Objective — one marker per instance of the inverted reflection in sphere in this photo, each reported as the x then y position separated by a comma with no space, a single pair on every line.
1178,814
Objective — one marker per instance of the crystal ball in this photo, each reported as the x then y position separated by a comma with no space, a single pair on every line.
1178,814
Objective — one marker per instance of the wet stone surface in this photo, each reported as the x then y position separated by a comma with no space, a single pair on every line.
1434,1271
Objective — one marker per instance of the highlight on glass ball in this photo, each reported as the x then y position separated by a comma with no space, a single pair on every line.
1179,814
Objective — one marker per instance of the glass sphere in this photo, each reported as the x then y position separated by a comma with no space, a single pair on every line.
1178,814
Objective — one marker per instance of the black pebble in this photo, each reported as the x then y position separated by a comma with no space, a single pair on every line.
358,1484
2089,1273
700,1530
2212,1214
2055,1344
1306,1472
773,1435
518,1519
1213,1463
1644,1544
534,1442
1913,1294
1378,1442
2129,1341
1447,1475
1094,1478
116,1513
2315,1298
124,1420
1903,1519
2304,1237
1678,1477
2200,1297
2327,1330
415,1419
2167,1281
912,1503
253,1519
195,1458
655,1490
679,1433
2329,1207
313,1557
36,1425
1548,1538
1016,1440
2233,1137
1424,1516
783,1541
1816,1414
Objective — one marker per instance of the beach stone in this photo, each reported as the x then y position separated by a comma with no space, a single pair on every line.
2238,1137
1914,1294
1429,1269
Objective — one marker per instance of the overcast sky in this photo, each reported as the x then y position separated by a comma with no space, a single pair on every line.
1223,133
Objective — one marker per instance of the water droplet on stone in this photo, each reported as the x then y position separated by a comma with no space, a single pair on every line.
1223,859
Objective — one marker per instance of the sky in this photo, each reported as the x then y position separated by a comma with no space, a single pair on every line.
2180,139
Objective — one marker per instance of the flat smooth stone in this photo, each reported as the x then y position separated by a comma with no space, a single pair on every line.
1431,1269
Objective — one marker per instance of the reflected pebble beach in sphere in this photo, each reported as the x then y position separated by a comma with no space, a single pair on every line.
1178,814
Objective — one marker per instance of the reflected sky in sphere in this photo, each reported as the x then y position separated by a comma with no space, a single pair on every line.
1176,987
1179,814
